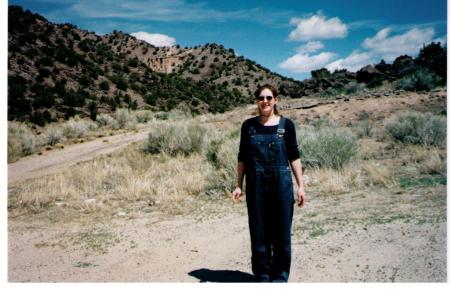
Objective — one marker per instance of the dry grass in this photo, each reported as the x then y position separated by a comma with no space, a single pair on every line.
132,179
435,162
378,174
109,184
370,149
329,181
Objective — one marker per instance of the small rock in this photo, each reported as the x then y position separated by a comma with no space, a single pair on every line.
121,214
89,201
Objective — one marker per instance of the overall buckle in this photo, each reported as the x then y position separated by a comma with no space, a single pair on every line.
280,132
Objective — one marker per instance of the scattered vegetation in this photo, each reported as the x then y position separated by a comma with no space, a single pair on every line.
176,138
21,141
421,80
25,139
326,146
417,128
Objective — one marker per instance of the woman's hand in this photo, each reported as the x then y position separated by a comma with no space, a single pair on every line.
236,195
301,196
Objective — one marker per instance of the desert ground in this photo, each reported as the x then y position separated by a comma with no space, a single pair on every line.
378,233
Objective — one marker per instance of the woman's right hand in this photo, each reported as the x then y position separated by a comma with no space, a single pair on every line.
236,195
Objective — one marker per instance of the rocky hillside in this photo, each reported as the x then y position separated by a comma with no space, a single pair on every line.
58,70
422,73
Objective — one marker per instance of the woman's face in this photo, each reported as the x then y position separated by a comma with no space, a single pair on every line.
265,105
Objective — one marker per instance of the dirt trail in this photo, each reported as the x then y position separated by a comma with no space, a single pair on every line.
58,160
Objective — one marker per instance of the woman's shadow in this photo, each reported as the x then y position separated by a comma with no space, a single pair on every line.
222,276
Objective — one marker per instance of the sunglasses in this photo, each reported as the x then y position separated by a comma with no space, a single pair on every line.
268,97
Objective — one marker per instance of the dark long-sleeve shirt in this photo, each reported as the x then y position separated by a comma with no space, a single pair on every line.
289,137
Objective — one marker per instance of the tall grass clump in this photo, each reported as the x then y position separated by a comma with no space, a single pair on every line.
176,138
222,154
417,128
363,129
125,118
21,141
327,146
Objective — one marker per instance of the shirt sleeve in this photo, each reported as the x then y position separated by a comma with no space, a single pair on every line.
292,150
243,144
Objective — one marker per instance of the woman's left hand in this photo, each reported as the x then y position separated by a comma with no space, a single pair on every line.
301,196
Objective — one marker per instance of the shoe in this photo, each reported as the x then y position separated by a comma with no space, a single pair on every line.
262,278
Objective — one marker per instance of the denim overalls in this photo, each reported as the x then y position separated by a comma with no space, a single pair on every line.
270,202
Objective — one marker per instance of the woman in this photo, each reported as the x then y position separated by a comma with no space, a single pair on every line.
268,146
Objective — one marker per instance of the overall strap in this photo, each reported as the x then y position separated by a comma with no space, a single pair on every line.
280,130
251,131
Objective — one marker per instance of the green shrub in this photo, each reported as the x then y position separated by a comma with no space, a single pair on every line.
77,128
327,146
52,135
421,80
417,128
21,141
106,120
125,118
363,129
144,116
104,85
120,81
222,154
353,87
329,91
176,138
176,114
323,122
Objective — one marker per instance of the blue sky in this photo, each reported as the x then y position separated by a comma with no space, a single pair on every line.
288,37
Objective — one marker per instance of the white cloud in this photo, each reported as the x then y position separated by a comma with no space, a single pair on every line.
156,39
386,47
390,47
300,62
310,47
355,61
317,27
167,10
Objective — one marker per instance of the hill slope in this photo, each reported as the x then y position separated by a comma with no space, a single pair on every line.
58,70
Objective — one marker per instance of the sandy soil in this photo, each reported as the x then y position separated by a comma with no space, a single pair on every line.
355,237
151,248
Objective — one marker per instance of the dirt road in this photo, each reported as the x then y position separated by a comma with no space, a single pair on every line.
58,160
